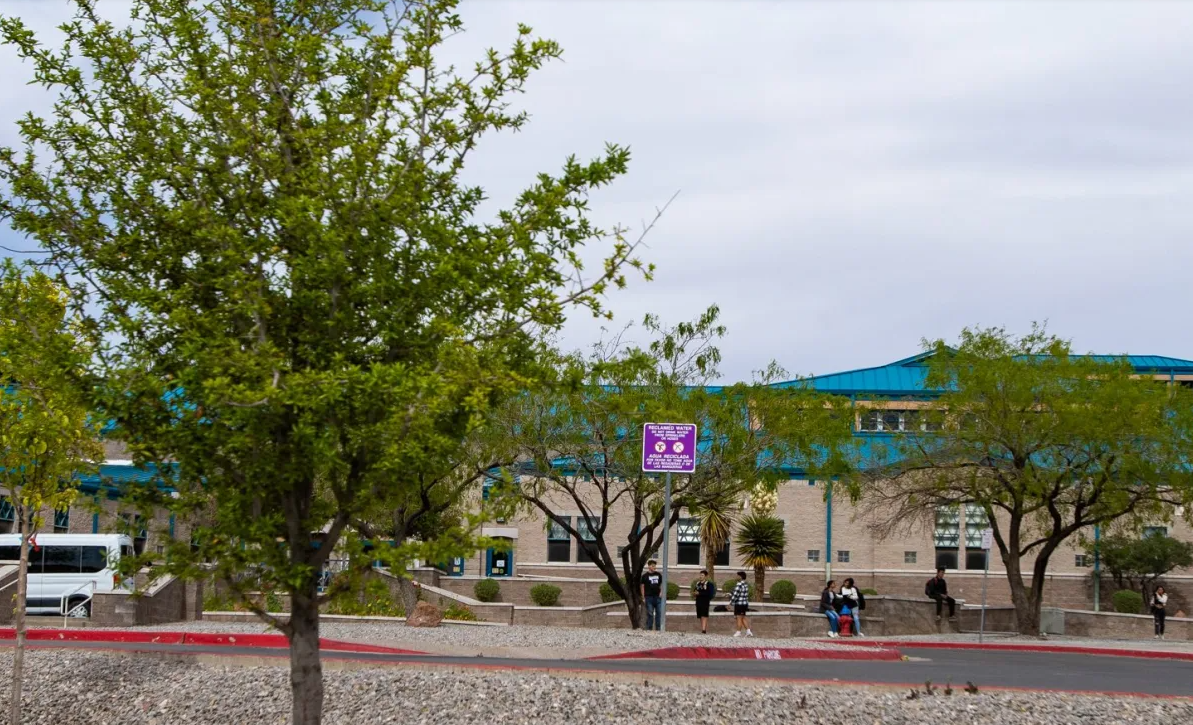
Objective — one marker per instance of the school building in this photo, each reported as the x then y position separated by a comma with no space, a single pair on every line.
825,534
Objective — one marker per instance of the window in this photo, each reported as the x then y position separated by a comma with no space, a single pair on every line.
723,556
687,551
1155,531
842,556
13,553
95,559
8,515
813,555
62,521
947,536
588,532
869,421
909,557
135,525
891,420
62,559
559,543
976,523
1082,560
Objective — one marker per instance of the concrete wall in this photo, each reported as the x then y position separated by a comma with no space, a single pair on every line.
1109,625
8,592
166,600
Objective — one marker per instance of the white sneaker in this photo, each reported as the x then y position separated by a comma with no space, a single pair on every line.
749,633
737,633
834,635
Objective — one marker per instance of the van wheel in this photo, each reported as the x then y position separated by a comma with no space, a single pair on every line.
79,608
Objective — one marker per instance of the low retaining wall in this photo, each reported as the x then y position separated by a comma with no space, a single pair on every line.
8,592
1112,625
166,600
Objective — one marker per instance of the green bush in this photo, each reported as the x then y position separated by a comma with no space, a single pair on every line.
1128,602
374,600
545,595
607,593
672,591
487,590
782,592
459,613
870,592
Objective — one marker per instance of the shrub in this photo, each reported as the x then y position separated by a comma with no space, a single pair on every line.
374,600
607,593
870,592
545,595
1127,601
459,613
487,590
782,592
672,590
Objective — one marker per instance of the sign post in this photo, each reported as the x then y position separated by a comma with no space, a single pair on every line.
668,448
987,544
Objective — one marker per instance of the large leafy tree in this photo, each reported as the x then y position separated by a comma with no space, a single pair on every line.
1138,562
1045,442
261,204
579,442
47,437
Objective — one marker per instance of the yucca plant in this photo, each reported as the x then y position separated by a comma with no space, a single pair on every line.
716,526
760,542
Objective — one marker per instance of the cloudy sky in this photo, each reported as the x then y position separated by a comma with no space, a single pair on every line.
856,176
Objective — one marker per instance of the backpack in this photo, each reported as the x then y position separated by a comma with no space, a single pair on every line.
928,588
861,600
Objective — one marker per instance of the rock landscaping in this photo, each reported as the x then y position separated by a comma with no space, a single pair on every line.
69,686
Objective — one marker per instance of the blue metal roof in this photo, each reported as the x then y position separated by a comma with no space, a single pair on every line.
906,377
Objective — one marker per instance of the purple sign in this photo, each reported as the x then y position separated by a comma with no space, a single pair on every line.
669,447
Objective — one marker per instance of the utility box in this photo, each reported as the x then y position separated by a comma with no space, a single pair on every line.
1052,620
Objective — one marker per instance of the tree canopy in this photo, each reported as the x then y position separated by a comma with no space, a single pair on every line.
260,206
579,441
1045,442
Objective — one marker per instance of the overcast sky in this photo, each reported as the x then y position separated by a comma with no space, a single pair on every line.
856,176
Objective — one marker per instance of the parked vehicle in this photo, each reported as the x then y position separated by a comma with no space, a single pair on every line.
65,570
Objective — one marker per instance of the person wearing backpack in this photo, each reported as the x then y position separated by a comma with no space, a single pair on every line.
853,599
937,589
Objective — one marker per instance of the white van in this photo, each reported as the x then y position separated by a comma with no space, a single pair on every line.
66,569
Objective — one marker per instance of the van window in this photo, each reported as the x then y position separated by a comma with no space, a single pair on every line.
95,559
126,550
61,559
15,553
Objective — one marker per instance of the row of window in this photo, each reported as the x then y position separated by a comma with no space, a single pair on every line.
891,420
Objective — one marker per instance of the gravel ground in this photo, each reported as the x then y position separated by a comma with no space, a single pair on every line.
557,642
65,687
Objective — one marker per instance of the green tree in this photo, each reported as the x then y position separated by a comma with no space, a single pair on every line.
1045,442
1137,562
47,438
716,511
261,204
580,441
761,540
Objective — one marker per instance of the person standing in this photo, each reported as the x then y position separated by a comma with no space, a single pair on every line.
705,591
938,589
855,600
828,607
1159,602
740,599
652,589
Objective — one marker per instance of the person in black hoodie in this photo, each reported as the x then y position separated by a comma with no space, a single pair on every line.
704,590
938,589
828,607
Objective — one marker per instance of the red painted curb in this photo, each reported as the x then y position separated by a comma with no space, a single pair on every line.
751,653
268,641
1046,648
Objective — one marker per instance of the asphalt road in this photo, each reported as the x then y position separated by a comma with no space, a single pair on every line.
986,668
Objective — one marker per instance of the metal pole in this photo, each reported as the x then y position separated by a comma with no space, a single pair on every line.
828,533
666,551
1097,568
985,576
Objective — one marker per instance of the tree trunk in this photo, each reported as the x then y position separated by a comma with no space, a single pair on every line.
408,594
306,671
634,607
18,657
1027,599
710,562
759,582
